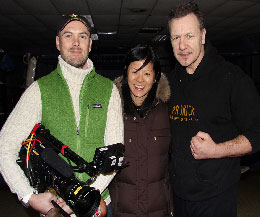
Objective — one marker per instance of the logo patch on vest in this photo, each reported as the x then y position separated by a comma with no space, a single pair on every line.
97,106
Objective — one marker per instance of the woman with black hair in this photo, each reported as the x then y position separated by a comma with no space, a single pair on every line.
142,188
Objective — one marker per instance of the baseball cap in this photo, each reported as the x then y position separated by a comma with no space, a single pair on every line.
65,19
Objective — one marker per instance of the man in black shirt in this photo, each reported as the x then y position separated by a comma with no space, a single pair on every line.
215,118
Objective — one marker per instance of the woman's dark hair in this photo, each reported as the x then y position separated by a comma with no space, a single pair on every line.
138,53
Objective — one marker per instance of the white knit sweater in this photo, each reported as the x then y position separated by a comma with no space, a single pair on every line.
28,112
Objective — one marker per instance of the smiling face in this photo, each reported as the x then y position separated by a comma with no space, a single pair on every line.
74,44
187,41
140,82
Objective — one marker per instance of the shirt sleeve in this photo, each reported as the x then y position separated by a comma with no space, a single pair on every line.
16,129
114,133
245,105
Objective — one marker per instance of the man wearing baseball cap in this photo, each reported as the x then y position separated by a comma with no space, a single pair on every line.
65,102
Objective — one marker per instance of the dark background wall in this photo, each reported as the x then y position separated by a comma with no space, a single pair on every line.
244,52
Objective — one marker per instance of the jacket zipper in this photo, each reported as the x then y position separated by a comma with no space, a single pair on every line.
78,127
86,121
87,114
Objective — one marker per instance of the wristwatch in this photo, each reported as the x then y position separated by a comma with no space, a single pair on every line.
25,200
25,204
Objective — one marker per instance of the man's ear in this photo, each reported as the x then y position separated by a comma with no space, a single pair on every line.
58,42
90,45
203,36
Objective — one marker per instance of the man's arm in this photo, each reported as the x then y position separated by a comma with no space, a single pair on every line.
16,129
114,133
245,109
203,147
18,126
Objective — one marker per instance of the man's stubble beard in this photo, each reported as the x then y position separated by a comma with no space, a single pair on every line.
80,63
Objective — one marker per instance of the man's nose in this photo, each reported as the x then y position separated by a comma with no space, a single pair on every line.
182,44
76,41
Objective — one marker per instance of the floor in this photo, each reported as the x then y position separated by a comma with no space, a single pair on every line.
248,198
249,194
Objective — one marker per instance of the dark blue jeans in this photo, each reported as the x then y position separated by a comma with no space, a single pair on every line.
109,210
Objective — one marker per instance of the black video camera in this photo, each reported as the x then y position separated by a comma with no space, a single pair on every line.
45,169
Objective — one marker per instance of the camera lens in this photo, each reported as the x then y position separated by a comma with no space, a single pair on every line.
87,203
83,199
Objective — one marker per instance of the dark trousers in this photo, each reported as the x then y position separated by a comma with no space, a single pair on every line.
109,211
223,205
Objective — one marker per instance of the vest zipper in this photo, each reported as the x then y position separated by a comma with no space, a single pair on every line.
86,121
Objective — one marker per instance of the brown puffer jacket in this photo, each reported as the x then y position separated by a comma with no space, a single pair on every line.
142,189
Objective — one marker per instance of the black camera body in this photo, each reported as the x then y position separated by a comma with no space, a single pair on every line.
39,158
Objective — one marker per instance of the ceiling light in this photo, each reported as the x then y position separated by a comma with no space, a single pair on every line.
107,33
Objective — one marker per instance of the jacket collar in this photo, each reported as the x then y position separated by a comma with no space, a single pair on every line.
163,92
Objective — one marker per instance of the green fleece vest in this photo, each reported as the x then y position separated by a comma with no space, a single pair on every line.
58,113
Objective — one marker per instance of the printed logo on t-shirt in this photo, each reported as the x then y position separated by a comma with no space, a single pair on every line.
183,113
